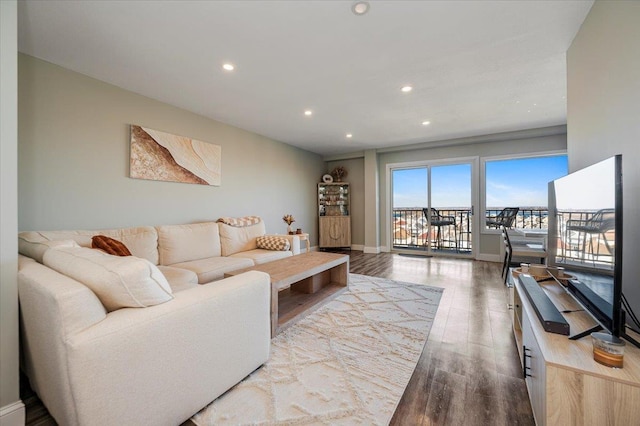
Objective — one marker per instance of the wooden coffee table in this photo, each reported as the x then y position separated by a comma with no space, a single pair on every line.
301,284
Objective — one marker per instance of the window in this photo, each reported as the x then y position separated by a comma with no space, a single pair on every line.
523,183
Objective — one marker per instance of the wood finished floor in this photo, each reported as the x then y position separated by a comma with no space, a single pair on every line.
469,372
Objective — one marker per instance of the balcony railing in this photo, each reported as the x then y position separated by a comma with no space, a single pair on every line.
411,231
528,217
410,228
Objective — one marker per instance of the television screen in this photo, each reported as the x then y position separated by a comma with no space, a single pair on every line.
585,237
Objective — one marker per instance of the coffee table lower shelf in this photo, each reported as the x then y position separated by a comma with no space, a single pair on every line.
301,284
293,305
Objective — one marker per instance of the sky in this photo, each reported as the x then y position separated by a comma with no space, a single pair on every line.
515,182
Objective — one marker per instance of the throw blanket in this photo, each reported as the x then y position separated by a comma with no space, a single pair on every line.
240,222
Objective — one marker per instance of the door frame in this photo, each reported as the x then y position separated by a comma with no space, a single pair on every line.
475,179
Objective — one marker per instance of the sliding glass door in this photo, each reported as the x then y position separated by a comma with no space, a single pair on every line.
432,208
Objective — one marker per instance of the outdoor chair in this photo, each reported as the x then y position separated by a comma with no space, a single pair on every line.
505,218
434,218
520,249
600,223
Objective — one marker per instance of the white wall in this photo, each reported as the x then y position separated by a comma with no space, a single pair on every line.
603,111
11,409
74,161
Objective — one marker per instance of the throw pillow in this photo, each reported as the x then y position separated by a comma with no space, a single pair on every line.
271,242
109,245
119,282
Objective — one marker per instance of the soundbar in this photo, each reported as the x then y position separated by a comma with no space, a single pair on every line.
550,317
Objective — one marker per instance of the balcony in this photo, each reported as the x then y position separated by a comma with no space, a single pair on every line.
410,228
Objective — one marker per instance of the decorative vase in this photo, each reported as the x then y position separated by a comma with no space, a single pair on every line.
289,230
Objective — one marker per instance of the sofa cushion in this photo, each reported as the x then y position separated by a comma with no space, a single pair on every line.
259,256
119,282
141,241
35,248
236,239
271,242
213,268
179,279
184,243
109,245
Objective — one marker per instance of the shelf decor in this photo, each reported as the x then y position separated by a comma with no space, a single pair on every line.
157,155
338,173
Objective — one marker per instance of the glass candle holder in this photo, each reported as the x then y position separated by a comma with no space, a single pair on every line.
608,350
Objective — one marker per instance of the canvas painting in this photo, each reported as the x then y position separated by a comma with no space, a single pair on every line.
157,155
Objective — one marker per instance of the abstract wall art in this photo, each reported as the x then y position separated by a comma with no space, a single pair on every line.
157,155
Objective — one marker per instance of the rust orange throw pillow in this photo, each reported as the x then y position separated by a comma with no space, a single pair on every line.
109,245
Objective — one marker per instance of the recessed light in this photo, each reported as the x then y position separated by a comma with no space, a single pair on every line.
308,112
426,123
406,89
228,67
349,135
360,7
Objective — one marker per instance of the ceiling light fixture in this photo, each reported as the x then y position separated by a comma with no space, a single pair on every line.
349,135
407,89
426,123
360,7
228,67
308,112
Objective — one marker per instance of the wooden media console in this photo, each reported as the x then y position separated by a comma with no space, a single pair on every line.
566,385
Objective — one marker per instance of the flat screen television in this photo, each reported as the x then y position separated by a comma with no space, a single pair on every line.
585,237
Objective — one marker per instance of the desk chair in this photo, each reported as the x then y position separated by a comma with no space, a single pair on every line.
434,218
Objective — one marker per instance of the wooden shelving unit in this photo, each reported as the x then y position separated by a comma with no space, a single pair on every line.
334,220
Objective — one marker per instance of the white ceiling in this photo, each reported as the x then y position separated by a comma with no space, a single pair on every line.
477,67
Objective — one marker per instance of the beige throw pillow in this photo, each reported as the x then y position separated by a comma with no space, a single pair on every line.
119,282
270,242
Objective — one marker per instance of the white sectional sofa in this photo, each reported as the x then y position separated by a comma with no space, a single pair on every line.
93,363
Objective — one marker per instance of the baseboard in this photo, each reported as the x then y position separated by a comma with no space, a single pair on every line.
372,250
12,414
489,257
358,247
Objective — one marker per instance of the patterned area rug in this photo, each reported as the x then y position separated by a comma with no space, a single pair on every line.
346,363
